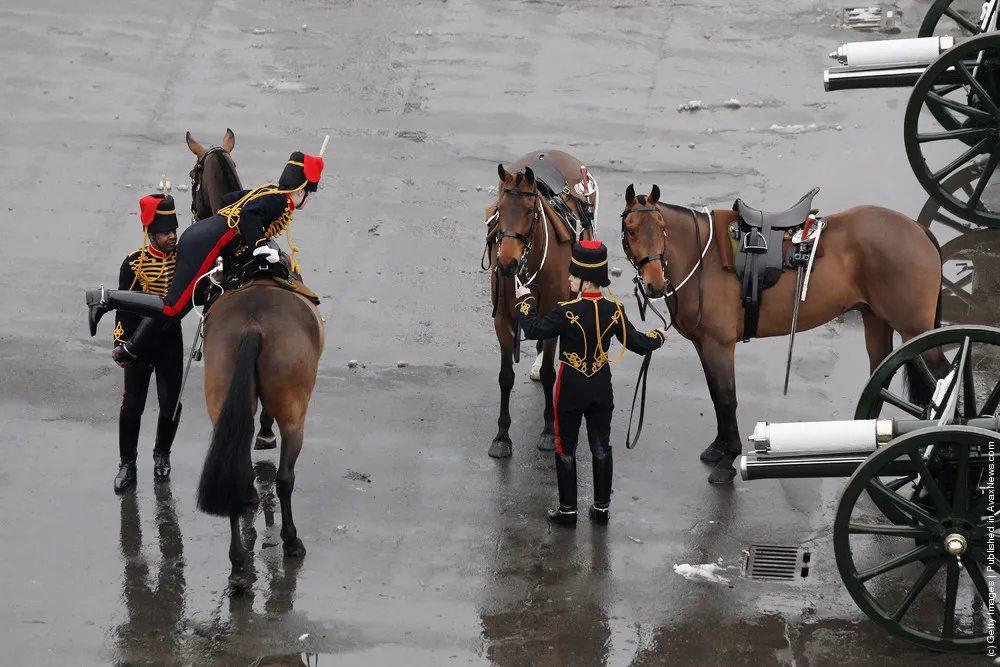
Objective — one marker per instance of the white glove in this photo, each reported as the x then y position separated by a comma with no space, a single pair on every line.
272,254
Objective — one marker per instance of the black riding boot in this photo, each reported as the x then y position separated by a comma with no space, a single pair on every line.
166,429
128,445
100,301
600,511
566,479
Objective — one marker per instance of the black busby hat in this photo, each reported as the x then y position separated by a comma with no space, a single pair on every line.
158,213
301,171
590,262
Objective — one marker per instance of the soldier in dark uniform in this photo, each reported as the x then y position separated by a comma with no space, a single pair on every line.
249,219
585,327
149,269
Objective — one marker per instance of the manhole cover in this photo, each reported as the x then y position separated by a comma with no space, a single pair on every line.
771,562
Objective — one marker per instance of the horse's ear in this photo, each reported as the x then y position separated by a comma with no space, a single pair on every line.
529,176
228,141
195,147
629,195
654,194
504,176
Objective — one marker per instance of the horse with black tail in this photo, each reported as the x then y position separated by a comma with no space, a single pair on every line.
214,175
735,274
546,202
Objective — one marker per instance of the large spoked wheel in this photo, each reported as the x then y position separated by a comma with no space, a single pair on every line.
922,573
960,19
970,355
964,80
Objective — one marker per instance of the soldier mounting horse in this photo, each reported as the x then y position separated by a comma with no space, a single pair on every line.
214,175
746,284
263,339
545,202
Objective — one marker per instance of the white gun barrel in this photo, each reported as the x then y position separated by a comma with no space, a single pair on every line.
893,52
856,436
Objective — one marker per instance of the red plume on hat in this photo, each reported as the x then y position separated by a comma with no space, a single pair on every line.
313,167
147,208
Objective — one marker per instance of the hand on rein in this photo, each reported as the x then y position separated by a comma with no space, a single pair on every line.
520,289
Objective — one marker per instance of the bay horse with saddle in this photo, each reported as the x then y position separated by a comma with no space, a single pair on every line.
214,175
730,275
545,202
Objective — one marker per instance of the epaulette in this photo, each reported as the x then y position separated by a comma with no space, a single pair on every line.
566,303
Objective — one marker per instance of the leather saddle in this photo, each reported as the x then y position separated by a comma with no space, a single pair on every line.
245,270
553,185
763,251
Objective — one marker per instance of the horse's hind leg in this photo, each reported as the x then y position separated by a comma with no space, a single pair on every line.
878,339
536,367
547,440
239,578
266,439
291,446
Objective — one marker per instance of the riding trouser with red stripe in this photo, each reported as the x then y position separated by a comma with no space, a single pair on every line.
197,249
577,397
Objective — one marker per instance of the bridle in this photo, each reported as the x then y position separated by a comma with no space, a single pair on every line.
538,213
196,176
525,239
662,257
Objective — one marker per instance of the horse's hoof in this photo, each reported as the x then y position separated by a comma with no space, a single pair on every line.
239,582
266,442
294,549
547,442
723,473
712,454
500,449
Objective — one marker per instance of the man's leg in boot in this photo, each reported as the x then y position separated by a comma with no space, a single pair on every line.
129,423
169,373
599,434
567,425
101,301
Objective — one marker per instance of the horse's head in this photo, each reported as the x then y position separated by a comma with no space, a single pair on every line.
644,239
214,174
519,209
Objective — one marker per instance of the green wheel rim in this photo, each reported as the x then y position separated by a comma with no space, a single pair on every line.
876,392
931,525
928,28
984,117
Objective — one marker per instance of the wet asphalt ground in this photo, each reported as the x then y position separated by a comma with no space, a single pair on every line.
421,549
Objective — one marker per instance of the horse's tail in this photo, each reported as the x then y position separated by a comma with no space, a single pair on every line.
916,388
227,475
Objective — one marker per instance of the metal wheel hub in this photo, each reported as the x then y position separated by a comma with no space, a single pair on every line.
955,544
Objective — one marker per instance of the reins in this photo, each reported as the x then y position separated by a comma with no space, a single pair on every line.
645,303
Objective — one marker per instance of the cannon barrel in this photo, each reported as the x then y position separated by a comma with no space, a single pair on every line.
887,63
830,448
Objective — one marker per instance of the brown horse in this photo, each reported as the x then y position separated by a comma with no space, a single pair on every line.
538,200
261,343
870,259
214,175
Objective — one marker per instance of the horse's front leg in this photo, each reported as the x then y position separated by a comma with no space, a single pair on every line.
719,362
291,446
501,447
547,440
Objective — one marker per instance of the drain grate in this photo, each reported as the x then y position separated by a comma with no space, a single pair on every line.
771,562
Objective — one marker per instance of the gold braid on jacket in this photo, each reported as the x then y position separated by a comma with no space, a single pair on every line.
232,215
